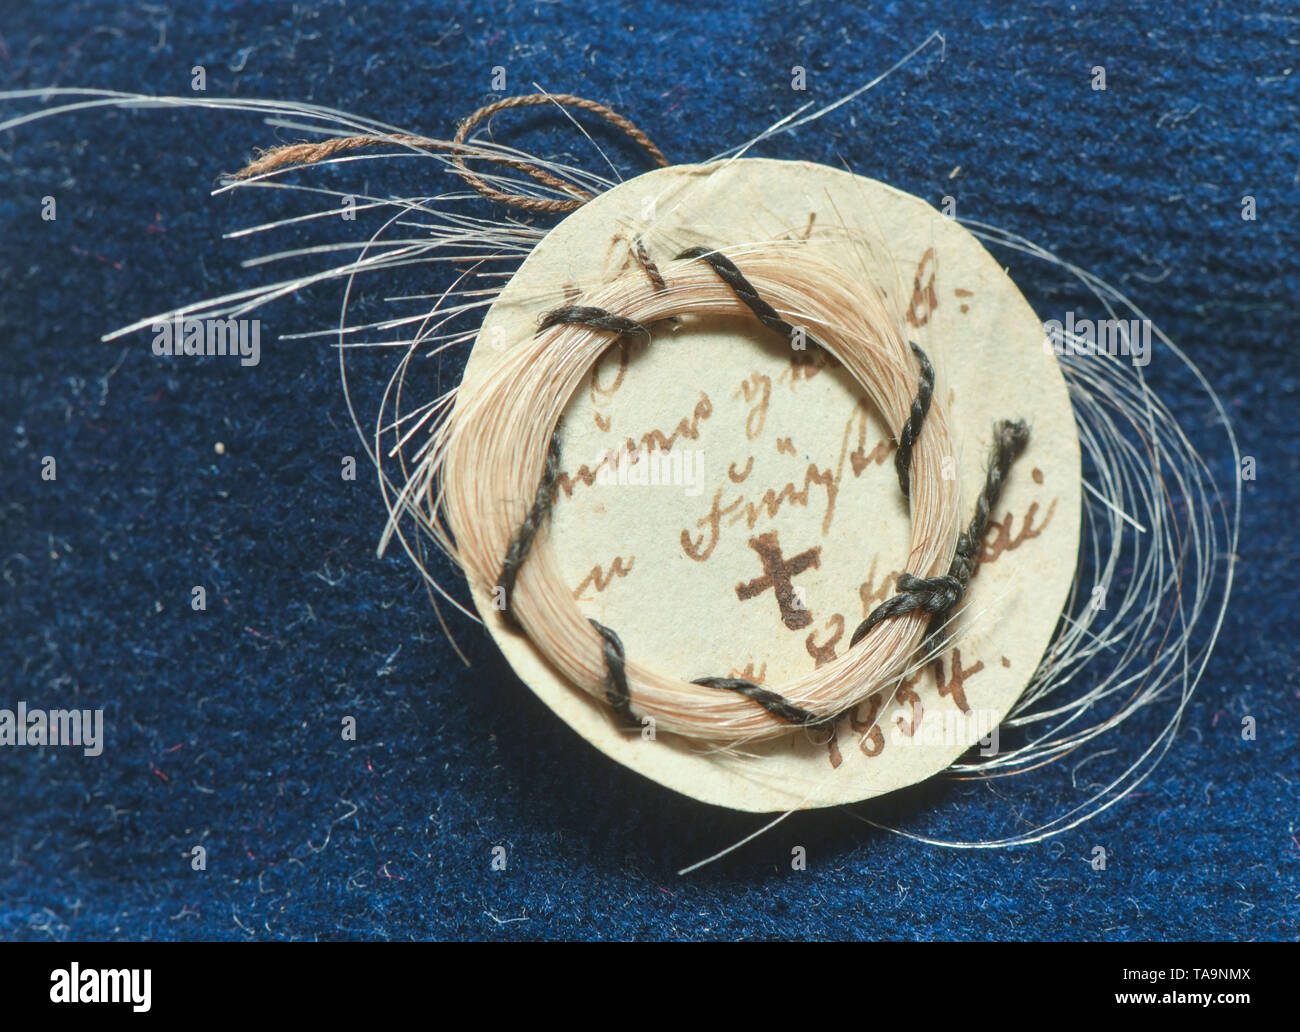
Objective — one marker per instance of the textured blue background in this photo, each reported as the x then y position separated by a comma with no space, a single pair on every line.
223,726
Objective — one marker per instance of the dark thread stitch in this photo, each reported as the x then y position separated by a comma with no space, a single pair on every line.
592,318
940,595
745,292
523,541
771,701
912,428
1010,439
616,693
933,594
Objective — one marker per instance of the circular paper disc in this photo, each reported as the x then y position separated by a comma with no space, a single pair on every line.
777,474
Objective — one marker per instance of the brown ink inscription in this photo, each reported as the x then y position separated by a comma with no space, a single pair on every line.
924,298
600,579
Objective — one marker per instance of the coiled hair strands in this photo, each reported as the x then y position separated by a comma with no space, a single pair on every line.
514,413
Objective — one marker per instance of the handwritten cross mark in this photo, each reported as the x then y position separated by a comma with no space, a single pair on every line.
777,574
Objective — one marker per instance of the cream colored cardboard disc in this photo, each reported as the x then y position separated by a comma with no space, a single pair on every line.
770,471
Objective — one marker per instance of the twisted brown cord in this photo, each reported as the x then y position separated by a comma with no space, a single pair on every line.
581,197
312,153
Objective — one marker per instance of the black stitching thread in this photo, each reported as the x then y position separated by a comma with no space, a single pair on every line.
592,318
933,594
912,428
745,292
523,541
1010,439
773,702
616,693
938,596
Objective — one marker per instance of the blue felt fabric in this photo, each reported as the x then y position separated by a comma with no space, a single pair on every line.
223,728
